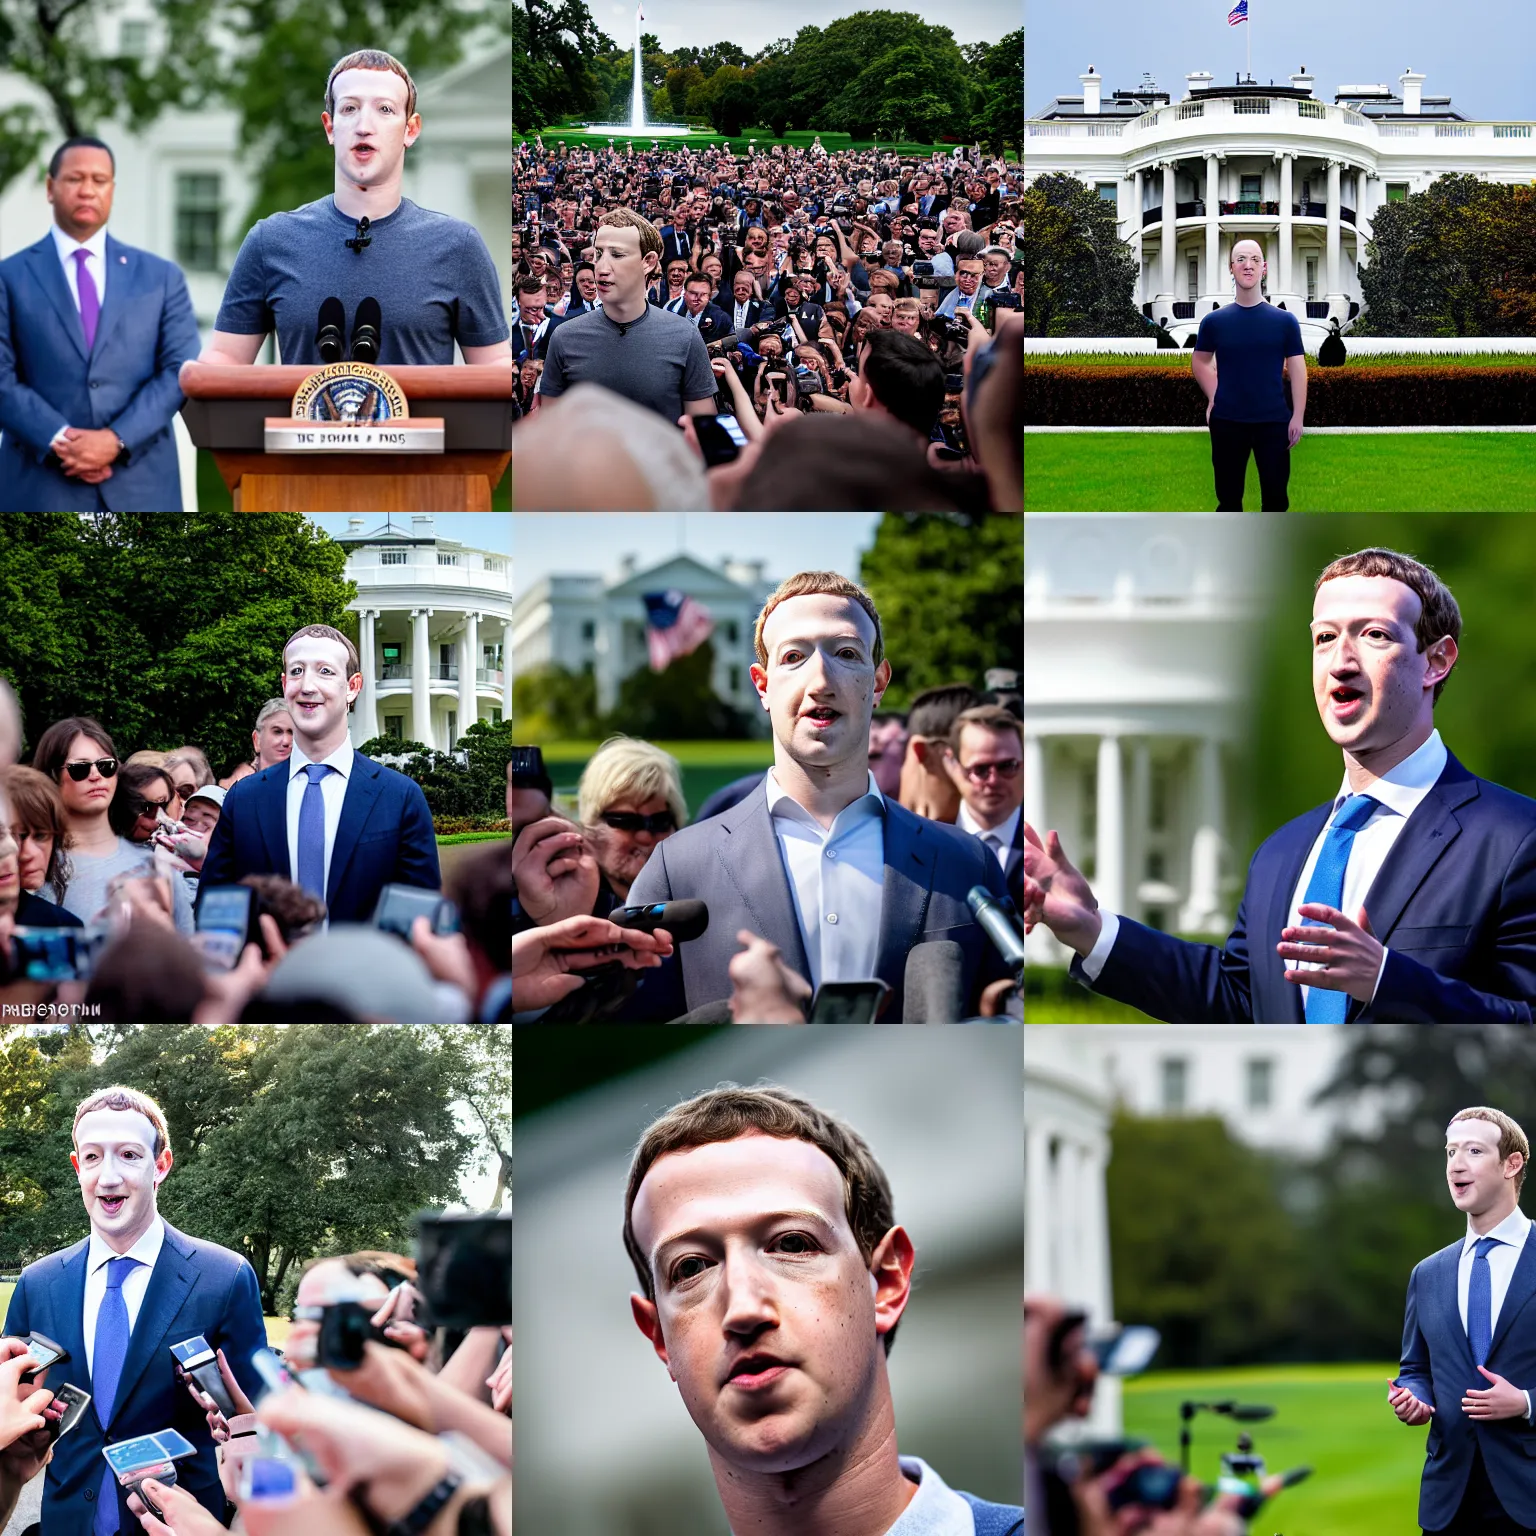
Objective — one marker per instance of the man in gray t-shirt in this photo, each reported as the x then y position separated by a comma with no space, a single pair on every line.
658,360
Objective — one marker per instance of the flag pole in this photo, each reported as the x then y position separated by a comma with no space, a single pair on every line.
1250,39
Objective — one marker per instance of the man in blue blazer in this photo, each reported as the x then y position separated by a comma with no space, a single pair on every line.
92,333
338,824
1410,897
117,1301
816,860
1469,1342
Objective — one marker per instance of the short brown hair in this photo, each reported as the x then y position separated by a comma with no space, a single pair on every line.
326,632
1511,1137
1439,614
730,1111
809,584
991,717
371,58
627,218
36,806
119,1097
52,749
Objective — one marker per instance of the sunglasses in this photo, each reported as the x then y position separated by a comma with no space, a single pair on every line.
186,791
981,772
630,821
147,807
105,766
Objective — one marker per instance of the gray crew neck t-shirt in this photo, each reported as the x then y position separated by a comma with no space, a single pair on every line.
660,362
432,275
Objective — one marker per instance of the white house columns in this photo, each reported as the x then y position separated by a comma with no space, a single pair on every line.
1335,287
1165,289
1109,851
1287,178
1136,200
1202,912
368,699
469,663
421,676
1213,282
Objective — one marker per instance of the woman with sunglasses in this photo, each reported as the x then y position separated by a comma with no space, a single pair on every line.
629,799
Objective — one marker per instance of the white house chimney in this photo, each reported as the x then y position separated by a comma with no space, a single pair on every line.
1302,81
355,524
1092,84
1198,81
1413,91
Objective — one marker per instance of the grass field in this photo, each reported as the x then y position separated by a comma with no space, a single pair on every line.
1167,358
1333,1418
1393,472
707,765
802,139
1052,997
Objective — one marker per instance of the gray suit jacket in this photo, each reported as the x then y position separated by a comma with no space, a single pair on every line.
732,863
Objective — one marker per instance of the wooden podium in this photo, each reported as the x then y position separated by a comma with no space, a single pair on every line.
227,410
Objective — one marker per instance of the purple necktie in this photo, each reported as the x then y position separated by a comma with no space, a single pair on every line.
90,300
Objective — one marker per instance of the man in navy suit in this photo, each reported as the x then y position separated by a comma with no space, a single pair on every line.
746,309
1469,1342
985,759
117,1301
817,860
332,821
92,333
1409,897
712,321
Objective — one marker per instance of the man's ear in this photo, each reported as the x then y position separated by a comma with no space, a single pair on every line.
882,679
759,678
648,1321
890,1269
163,1166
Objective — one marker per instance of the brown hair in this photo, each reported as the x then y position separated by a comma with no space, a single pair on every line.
730,1111
52,749
627,218
36,806
1439,614
294,910
807,584
391,1268
371,58
1511,1137
326,632
991,717
119,1097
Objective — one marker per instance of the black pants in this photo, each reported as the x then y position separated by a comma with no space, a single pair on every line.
1480,1513
1231,443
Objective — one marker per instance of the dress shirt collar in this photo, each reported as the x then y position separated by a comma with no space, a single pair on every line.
340,759
67,245
782,803
1514,1230
146,1250
1003,832
1401,789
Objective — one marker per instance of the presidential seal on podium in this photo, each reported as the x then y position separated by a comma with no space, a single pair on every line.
352,408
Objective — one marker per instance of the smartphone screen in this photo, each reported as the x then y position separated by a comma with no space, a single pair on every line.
848,1002
720,438
147,1451
193,1351
226,907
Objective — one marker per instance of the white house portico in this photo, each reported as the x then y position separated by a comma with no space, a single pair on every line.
1271,163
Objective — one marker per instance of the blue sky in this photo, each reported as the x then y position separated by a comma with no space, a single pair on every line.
480,530
1479,54
591,543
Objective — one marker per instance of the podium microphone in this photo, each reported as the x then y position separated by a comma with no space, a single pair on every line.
331,335
997,924
683,918
361,238
933,984
365,332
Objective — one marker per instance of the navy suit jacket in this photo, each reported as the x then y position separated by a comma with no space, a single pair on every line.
384,837
196,1287
127,382
1437,1367
1455,904
733,864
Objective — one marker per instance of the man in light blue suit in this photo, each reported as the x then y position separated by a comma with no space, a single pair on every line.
1469,1342
92,333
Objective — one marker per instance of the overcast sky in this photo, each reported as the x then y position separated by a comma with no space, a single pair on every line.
591,543
1478,54
754,23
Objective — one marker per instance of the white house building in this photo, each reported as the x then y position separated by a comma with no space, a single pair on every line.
575,621
1273,163
434,618
1139,634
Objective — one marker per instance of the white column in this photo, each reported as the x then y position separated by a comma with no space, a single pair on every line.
1202,913
1040,1268
1287,171
1039,946
366,717
1213,282
1137,820
1136,198
1333,231
1165,292
506,670
469,659
421,661
1109,855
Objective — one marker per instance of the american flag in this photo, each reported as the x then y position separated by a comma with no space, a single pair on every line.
675,625
1239,12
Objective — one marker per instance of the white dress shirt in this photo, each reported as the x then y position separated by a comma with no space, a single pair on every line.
1003,832
936,1509
146,1250
837,880
1511,1233
1400,792
333,790
739,321
95,262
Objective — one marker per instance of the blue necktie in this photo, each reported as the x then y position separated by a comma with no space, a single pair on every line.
111,1348
311,870
1327,887
1480,1303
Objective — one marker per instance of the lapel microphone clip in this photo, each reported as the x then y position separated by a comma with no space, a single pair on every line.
361,238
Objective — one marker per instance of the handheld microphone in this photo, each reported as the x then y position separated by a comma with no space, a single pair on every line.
361,238
932,988
365,332
997,923
684,920
331,334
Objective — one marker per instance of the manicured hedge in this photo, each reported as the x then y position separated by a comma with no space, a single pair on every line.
1142,395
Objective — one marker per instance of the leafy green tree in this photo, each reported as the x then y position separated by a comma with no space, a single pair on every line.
555,49
950,596
680,80
1079,276
731,99
678,704
908,92
453,788
998,71
554,703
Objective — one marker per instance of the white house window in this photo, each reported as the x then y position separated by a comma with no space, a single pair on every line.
1194,277
197,221
1175,1084
1261,1082
133,39
1311,277
391,557
1397,191
446,559
1109,192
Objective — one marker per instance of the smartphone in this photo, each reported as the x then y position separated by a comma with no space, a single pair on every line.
45,1352
464,1268
144,1452
982,310
75,1400
197,1358
400,905
720,438
57,954
848,1002
234,909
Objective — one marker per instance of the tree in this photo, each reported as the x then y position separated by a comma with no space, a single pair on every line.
678,704
452,788
998,71
553,74
680,80
731,99
489,1096
1079,276
554,702
950,598
907,92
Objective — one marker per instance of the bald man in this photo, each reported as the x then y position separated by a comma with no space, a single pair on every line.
1243,352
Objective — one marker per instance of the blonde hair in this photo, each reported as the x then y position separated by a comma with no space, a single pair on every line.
812,583
1511,1137
623,768
371,58
627,218
120,1098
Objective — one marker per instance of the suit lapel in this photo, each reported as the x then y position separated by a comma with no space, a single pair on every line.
71,1320
752,862
50,276
272,817
122,273
1522,1286
910,859
1277,908
363,786
172,1279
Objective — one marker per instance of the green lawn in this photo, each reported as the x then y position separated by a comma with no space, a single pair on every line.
1052,997
707,765
1333,1418
1392,472
803,139
1166,357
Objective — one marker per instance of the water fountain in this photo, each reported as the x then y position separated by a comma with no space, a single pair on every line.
637,127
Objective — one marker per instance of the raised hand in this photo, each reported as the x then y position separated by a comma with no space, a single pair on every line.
1056,893
1409,1409
1351,953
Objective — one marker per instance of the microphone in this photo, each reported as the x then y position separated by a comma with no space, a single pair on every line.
684,920
932,984
361,238
997,923
365,332
331,335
